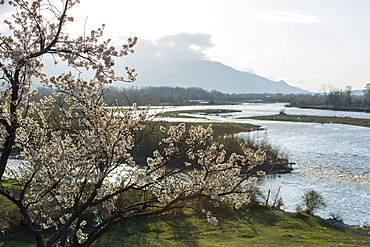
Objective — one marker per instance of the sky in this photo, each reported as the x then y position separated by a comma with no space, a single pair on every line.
305,43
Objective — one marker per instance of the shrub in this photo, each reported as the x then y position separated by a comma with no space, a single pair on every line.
312,201
336,217
10,217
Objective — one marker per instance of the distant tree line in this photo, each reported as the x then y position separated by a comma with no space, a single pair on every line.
154,96
331,98
162,96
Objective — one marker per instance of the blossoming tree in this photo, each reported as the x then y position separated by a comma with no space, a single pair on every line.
77,150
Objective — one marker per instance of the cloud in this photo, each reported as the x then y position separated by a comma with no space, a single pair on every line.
278,16
171,48
246,69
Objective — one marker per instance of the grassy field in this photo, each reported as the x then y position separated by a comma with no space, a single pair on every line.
262,226
258,227
316,119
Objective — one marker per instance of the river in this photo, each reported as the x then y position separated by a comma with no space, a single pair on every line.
332,159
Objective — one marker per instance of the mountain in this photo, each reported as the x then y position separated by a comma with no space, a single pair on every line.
211,76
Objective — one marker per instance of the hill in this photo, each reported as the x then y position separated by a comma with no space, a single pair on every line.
211,76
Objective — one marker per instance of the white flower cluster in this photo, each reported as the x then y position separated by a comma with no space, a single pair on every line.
206,172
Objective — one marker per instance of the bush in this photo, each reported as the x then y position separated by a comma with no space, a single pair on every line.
336,217
10,217
312,201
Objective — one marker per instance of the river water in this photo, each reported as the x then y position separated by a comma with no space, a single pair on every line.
332,159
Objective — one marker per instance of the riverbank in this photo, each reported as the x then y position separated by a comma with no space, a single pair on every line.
331,108
260,226
315,119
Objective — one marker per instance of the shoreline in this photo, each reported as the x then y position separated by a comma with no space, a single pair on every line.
332,108
362,122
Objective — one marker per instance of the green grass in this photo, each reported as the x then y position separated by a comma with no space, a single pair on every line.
9,184
316,119
258,227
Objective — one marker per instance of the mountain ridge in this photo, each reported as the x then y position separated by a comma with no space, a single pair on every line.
211,75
